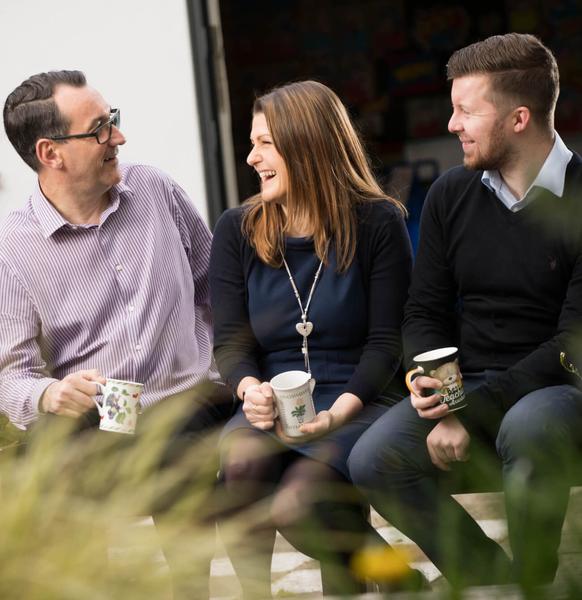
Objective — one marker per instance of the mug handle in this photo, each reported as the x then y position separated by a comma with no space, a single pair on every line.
275,409
98,404
409,376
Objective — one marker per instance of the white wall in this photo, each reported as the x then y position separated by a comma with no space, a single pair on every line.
136,53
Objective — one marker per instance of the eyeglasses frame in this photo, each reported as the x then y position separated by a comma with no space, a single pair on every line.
114,120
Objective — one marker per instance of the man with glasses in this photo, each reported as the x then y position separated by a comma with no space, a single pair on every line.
103,273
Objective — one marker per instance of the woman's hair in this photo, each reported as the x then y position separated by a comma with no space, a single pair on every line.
328,173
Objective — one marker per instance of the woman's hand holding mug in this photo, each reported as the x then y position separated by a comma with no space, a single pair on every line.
321,424
258,405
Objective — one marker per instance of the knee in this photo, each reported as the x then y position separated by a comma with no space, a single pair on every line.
307,492
245,458
290,505
534,427
236,469
303,506
375,462
358,462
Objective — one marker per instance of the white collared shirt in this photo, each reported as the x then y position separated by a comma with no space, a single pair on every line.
129,297
551,177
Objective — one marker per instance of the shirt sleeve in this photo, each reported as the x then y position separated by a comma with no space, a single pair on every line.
23,372
388,273
197,239
235,346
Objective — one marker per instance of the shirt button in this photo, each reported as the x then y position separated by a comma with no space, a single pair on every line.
138,347
130,308
119,267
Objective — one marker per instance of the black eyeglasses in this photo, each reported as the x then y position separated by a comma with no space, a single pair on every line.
102,133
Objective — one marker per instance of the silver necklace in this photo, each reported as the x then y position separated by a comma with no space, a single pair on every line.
304,327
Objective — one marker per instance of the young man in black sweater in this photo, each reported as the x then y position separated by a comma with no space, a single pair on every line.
499,275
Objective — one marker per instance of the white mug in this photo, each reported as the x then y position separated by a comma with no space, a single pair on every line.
119,406
292,391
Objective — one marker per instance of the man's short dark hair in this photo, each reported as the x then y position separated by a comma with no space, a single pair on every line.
30,112
520,69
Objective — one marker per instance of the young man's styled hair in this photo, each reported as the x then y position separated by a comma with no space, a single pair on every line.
328,172
30,112
521,70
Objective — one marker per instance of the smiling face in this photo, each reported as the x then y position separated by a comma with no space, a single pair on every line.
90,168
482,127
267,161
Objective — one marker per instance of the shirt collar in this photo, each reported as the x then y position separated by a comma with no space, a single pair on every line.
551,176
51,220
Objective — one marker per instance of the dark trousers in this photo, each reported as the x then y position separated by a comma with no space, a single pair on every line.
538,448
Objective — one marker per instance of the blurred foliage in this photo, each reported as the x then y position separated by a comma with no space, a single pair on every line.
9,435
72,505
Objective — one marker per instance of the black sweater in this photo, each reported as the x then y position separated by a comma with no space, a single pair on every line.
384,253
504,287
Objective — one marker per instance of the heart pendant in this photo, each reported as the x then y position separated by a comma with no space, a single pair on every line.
304,329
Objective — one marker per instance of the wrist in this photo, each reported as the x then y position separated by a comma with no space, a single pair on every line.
334,421
44,401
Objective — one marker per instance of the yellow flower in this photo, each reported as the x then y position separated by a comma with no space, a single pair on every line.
381,564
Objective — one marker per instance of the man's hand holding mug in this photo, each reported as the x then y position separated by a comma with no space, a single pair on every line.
436,391
435,383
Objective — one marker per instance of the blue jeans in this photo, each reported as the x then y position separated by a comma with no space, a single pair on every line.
537,447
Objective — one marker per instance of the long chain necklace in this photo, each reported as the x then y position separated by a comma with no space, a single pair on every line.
304,327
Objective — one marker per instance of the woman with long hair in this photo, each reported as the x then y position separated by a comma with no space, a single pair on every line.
310,274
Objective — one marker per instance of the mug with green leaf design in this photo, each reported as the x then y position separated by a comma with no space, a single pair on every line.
119,405
293,391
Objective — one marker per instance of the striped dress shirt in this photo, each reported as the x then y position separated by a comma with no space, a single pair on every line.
129,296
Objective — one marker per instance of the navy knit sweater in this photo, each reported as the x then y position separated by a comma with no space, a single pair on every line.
384,254
504,287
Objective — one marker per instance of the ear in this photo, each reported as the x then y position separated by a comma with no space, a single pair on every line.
520,118
48,154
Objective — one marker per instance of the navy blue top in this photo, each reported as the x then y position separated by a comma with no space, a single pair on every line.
338,336
505,287
356,314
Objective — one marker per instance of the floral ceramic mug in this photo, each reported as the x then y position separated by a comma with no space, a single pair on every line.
119,405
